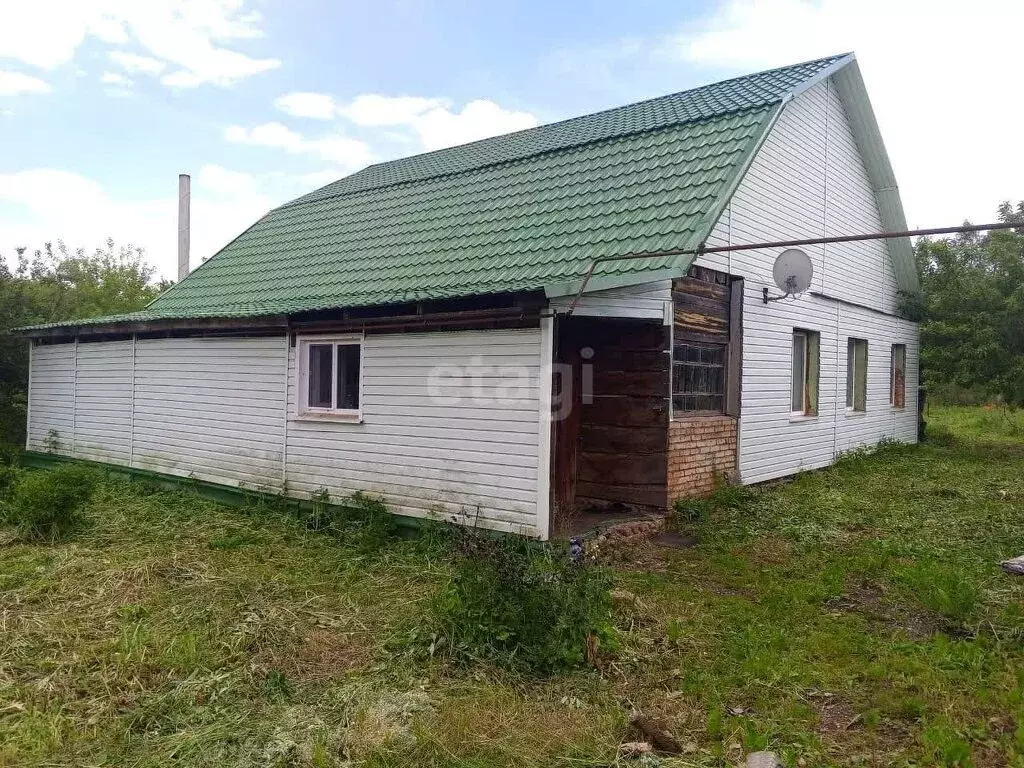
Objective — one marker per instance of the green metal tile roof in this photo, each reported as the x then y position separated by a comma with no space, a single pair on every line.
524,211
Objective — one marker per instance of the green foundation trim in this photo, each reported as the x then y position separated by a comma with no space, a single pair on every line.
221,494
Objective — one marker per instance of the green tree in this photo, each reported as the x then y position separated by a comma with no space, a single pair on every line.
972,310
54,284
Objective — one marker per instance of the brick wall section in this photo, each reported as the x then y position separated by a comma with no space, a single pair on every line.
700,449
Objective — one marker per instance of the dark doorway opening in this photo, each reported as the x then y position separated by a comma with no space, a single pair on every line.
611,408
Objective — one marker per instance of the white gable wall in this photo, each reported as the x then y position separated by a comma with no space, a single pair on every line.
222,410
808,181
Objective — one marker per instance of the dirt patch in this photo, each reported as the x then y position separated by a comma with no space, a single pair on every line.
386,721
835,714
318,654
869,600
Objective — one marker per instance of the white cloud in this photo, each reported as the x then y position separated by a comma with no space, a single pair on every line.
47,204
347,153
115,78
13,83
266,135
191,35
372,109
432,119
479,119
937,74
318,106
132,62
222,181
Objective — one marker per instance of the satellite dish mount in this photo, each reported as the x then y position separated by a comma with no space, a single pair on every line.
792,272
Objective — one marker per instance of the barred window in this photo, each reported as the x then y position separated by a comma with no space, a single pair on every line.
698,378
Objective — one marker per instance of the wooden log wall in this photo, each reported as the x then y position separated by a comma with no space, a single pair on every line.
615,446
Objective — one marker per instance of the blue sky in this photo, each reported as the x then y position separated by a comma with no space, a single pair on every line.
104,102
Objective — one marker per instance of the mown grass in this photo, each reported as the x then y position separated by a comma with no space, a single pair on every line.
855,616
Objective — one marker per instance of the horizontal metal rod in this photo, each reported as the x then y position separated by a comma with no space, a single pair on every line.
855,238
963,229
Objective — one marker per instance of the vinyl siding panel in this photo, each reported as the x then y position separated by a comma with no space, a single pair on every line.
449,429
52,398
646,301
212,409
879,420
450,421
773,443
808,181
103,402
861,273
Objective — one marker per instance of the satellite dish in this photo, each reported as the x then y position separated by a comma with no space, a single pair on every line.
792,272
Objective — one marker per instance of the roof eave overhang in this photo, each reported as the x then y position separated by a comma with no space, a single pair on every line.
127,327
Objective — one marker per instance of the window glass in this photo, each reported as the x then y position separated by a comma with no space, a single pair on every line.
698,378
898,374
856,374
348,377
806,365
799,371
321,375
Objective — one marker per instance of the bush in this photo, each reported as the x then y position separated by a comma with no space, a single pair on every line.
47,505
8,475
692,510
359,520
523,604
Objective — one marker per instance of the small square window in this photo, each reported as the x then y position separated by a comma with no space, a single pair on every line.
806,363
856,374
330,376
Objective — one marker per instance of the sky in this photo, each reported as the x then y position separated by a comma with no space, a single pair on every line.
104,102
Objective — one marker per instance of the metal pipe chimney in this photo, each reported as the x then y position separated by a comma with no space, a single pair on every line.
184,193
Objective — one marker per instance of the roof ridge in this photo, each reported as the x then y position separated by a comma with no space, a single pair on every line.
538,131
606,110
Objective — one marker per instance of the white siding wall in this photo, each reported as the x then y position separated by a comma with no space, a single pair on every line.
211,408
103,402
216,409
51,398
772,442
808,181
646,301
445,450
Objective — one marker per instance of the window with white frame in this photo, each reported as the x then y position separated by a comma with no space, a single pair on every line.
806,372
330,375
856,374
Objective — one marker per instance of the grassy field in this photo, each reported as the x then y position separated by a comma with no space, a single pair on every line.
855,616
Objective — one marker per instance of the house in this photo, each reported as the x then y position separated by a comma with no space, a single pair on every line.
413,330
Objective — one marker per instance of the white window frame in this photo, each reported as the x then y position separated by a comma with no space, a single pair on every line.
802,413
305,411
855,375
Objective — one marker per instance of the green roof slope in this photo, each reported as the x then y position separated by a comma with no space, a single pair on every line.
525,211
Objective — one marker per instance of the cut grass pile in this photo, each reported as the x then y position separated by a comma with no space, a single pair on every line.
854,616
